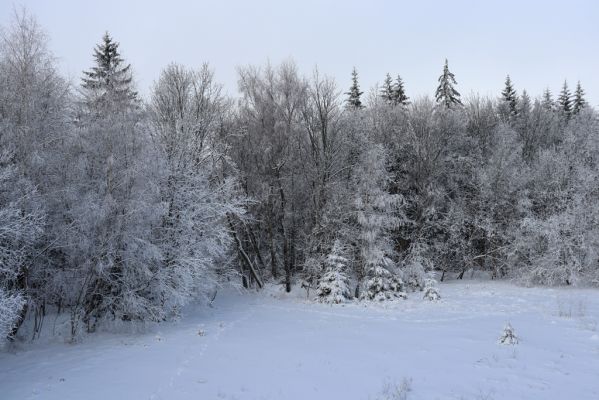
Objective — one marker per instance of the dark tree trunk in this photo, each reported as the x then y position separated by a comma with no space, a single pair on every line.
273,253
21,284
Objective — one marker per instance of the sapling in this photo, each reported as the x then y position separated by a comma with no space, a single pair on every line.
509,336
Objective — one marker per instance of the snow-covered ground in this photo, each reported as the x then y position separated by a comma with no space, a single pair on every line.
271,346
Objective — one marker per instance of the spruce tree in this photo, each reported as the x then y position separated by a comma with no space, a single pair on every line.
525,104
579,100
333,285
387,92
109,83
446,94
399,93
548,103
353,99
509,97
564,101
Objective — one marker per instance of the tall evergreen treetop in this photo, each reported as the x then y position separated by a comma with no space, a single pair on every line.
353,99
446,94
387,92
579,100
524,107
564,100
510,97
525,101
399,93
109,83
548,103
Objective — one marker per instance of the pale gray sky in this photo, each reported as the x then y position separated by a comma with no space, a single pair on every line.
539,43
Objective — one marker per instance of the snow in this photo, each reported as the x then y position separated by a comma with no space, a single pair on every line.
271,345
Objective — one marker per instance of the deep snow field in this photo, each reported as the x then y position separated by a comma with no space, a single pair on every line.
270,345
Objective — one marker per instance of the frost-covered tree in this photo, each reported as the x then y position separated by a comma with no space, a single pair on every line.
431,291
33,114
547,101
284,123
399,93
508,337
565,101
509,97
354,94
109,83
524,110
382,284
199,195
446,94
333,285
376,213
113,204
482,121
579,100
556,240
21,225
387,93
11,304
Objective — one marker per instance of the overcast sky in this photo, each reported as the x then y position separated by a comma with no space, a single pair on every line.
539,43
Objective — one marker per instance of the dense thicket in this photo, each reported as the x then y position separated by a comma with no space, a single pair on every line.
116,207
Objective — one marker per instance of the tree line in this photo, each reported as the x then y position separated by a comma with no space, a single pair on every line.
114,207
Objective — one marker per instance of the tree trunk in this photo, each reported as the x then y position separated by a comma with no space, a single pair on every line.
21,284
254,243
244,256
286,258
273,254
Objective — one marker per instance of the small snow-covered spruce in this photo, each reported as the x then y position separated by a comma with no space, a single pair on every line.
509,336
376,213
333,286
431,292
383,285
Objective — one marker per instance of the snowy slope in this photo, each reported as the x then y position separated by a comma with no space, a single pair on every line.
260,346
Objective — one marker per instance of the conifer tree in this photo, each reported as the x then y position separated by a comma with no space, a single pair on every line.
333,286
387,92
525,104
109,82
376,214
399,93
353,100
579,100
523,118
509,97
564,101
446,93
548,103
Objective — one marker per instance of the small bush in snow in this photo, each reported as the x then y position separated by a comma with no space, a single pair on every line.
509,336
431,292
333,286
395,391
383,285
